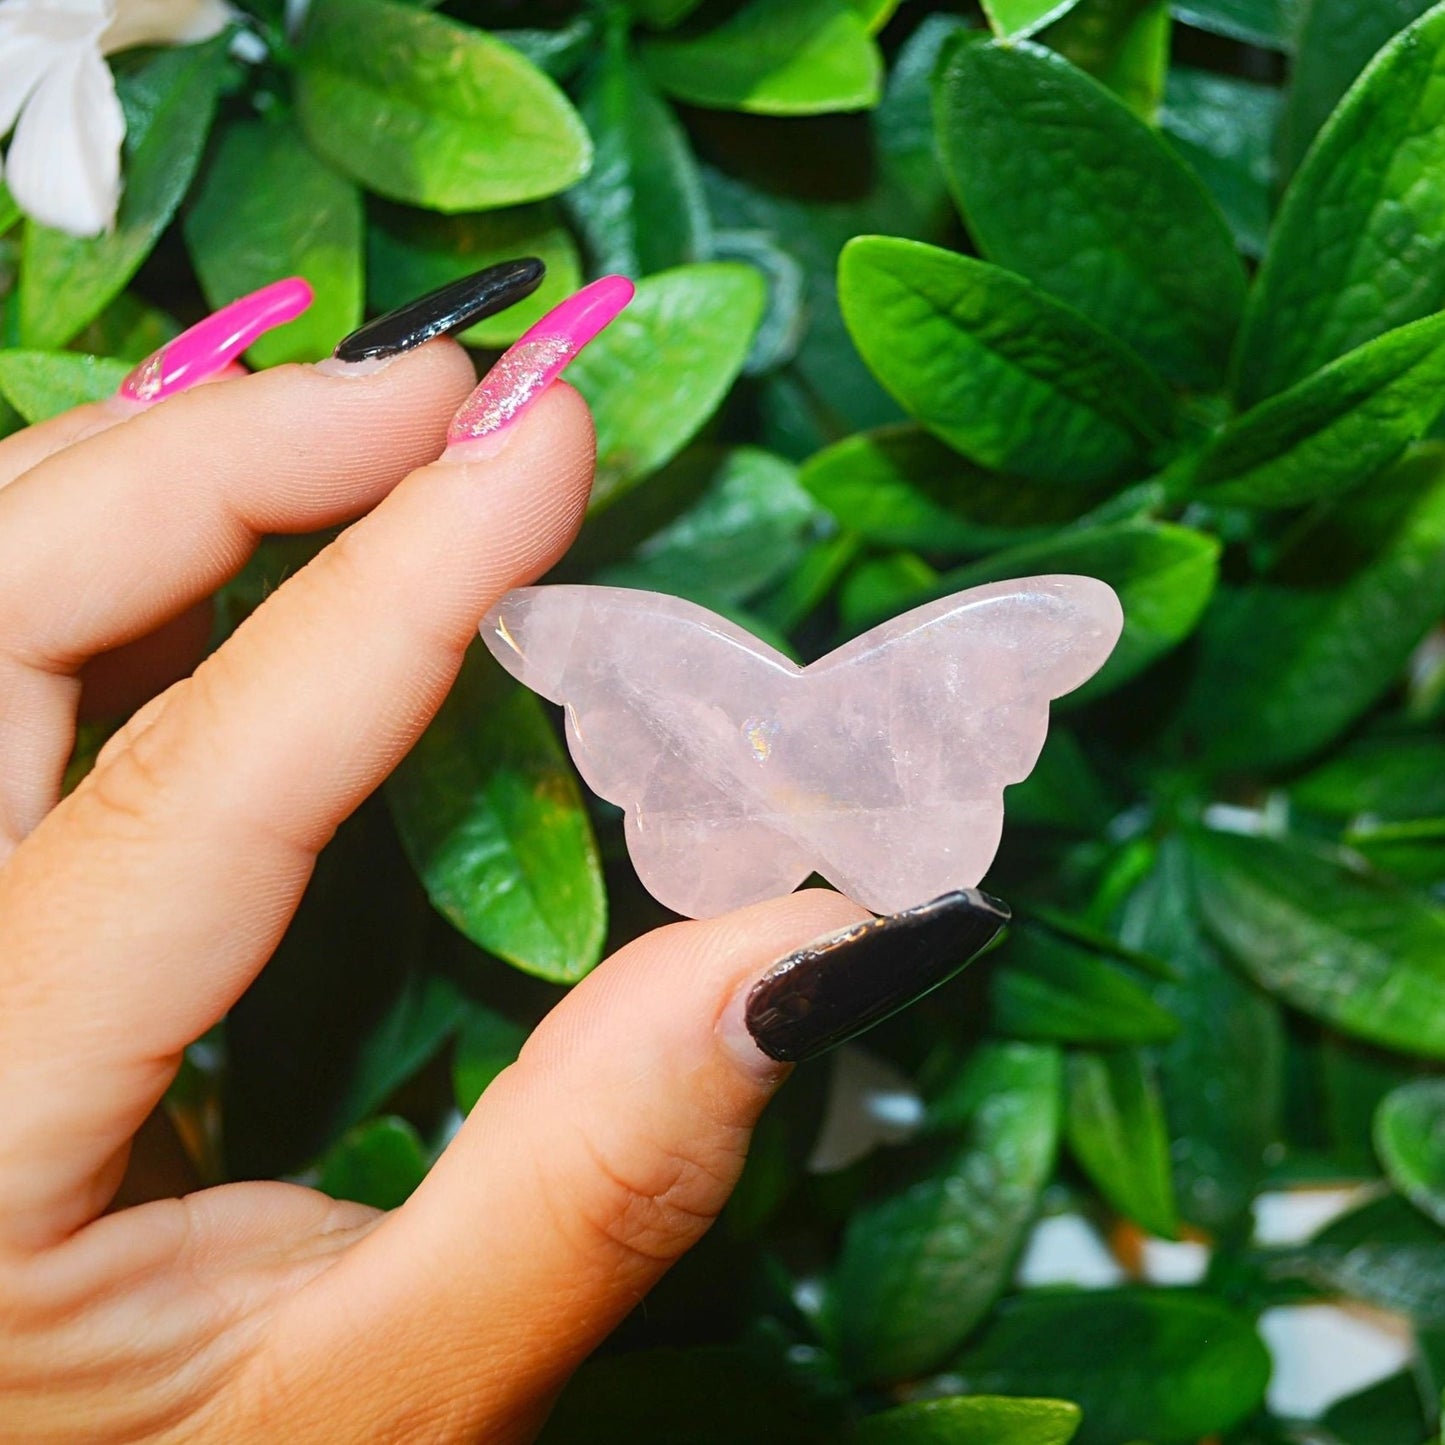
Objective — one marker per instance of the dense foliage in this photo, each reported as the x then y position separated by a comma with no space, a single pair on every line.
1146,295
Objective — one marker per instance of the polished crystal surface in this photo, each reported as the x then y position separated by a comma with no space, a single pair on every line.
881,766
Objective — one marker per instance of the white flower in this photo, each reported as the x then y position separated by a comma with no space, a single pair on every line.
63,167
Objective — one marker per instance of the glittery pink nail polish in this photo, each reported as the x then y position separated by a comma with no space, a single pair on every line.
532,363
213,343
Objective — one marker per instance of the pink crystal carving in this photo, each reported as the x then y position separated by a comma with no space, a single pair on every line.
881,766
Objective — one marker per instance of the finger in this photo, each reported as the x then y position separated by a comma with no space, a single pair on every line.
108,539
601,1156
168,877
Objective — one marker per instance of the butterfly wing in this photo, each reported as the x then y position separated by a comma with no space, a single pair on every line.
667,716
935,713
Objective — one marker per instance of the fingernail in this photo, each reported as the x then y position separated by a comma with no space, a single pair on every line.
215,342
445,311
838,987
535,361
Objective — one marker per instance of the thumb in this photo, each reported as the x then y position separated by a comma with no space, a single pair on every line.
607,1150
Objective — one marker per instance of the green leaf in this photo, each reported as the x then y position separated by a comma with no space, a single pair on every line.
379,1164
559,53
1164,1365
1114,1121
748,530
9,209
1164,575
487,1043
898,486
1381,1414
1336,40
491,818
1270,23
1359,246
1063,791
267,207
662,13
1334,430
1397,778
663,367
1222,1075
42,384
715,1396
127,330
1385,1253
1410,1140
1347,947
1058,180
1009,377
774,57
1124,44
168,103
1224,127
973,1420
423,109
1014,19
1287,662
641,207
921,1265
1045,987
411,253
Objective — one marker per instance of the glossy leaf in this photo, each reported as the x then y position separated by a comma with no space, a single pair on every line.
1334,430
1410,1140
1222,1074
1270,23
1347,947
42,384
1399,778
423,109
1115,1125
378,1163
1059,181
267,207
1013,19
1380,1414
1063,791
1167,1366
662,13
774,57
748,529
1124,44
640,209
1009,377
899,486
1045,987
1337,39
663,367
1224,128
129,329
411,253
1385,1253
1291,659
66,281
921,1265
1359,246
494,825
973,1420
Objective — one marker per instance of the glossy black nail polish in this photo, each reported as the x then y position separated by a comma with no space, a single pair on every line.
448,309
840,986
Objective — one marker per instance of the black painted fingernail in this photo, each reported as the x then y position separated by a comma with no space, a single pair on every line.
448,309
840,986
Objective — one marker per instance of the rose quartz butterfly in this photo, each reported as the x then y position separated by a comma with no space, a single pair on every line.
881,766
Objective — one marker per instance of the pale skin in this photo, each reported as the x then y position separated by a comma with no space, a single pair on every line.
137,910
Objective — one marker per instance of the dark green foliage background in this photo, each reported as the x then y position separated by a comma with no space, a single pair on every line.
1139,290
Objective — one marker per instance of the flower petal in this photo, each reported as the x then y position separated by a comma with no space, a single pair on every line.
164,22
64,163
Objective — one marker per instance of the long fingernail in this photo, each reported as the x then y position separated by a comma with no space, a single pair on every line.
445,311
839,986
535,361
215,342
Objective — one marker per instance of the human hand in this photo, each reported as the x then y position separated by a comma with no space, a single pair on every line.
134,913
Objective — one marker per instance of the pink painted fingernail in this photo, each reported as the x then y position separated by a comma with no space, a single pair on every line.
537,359
213,343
